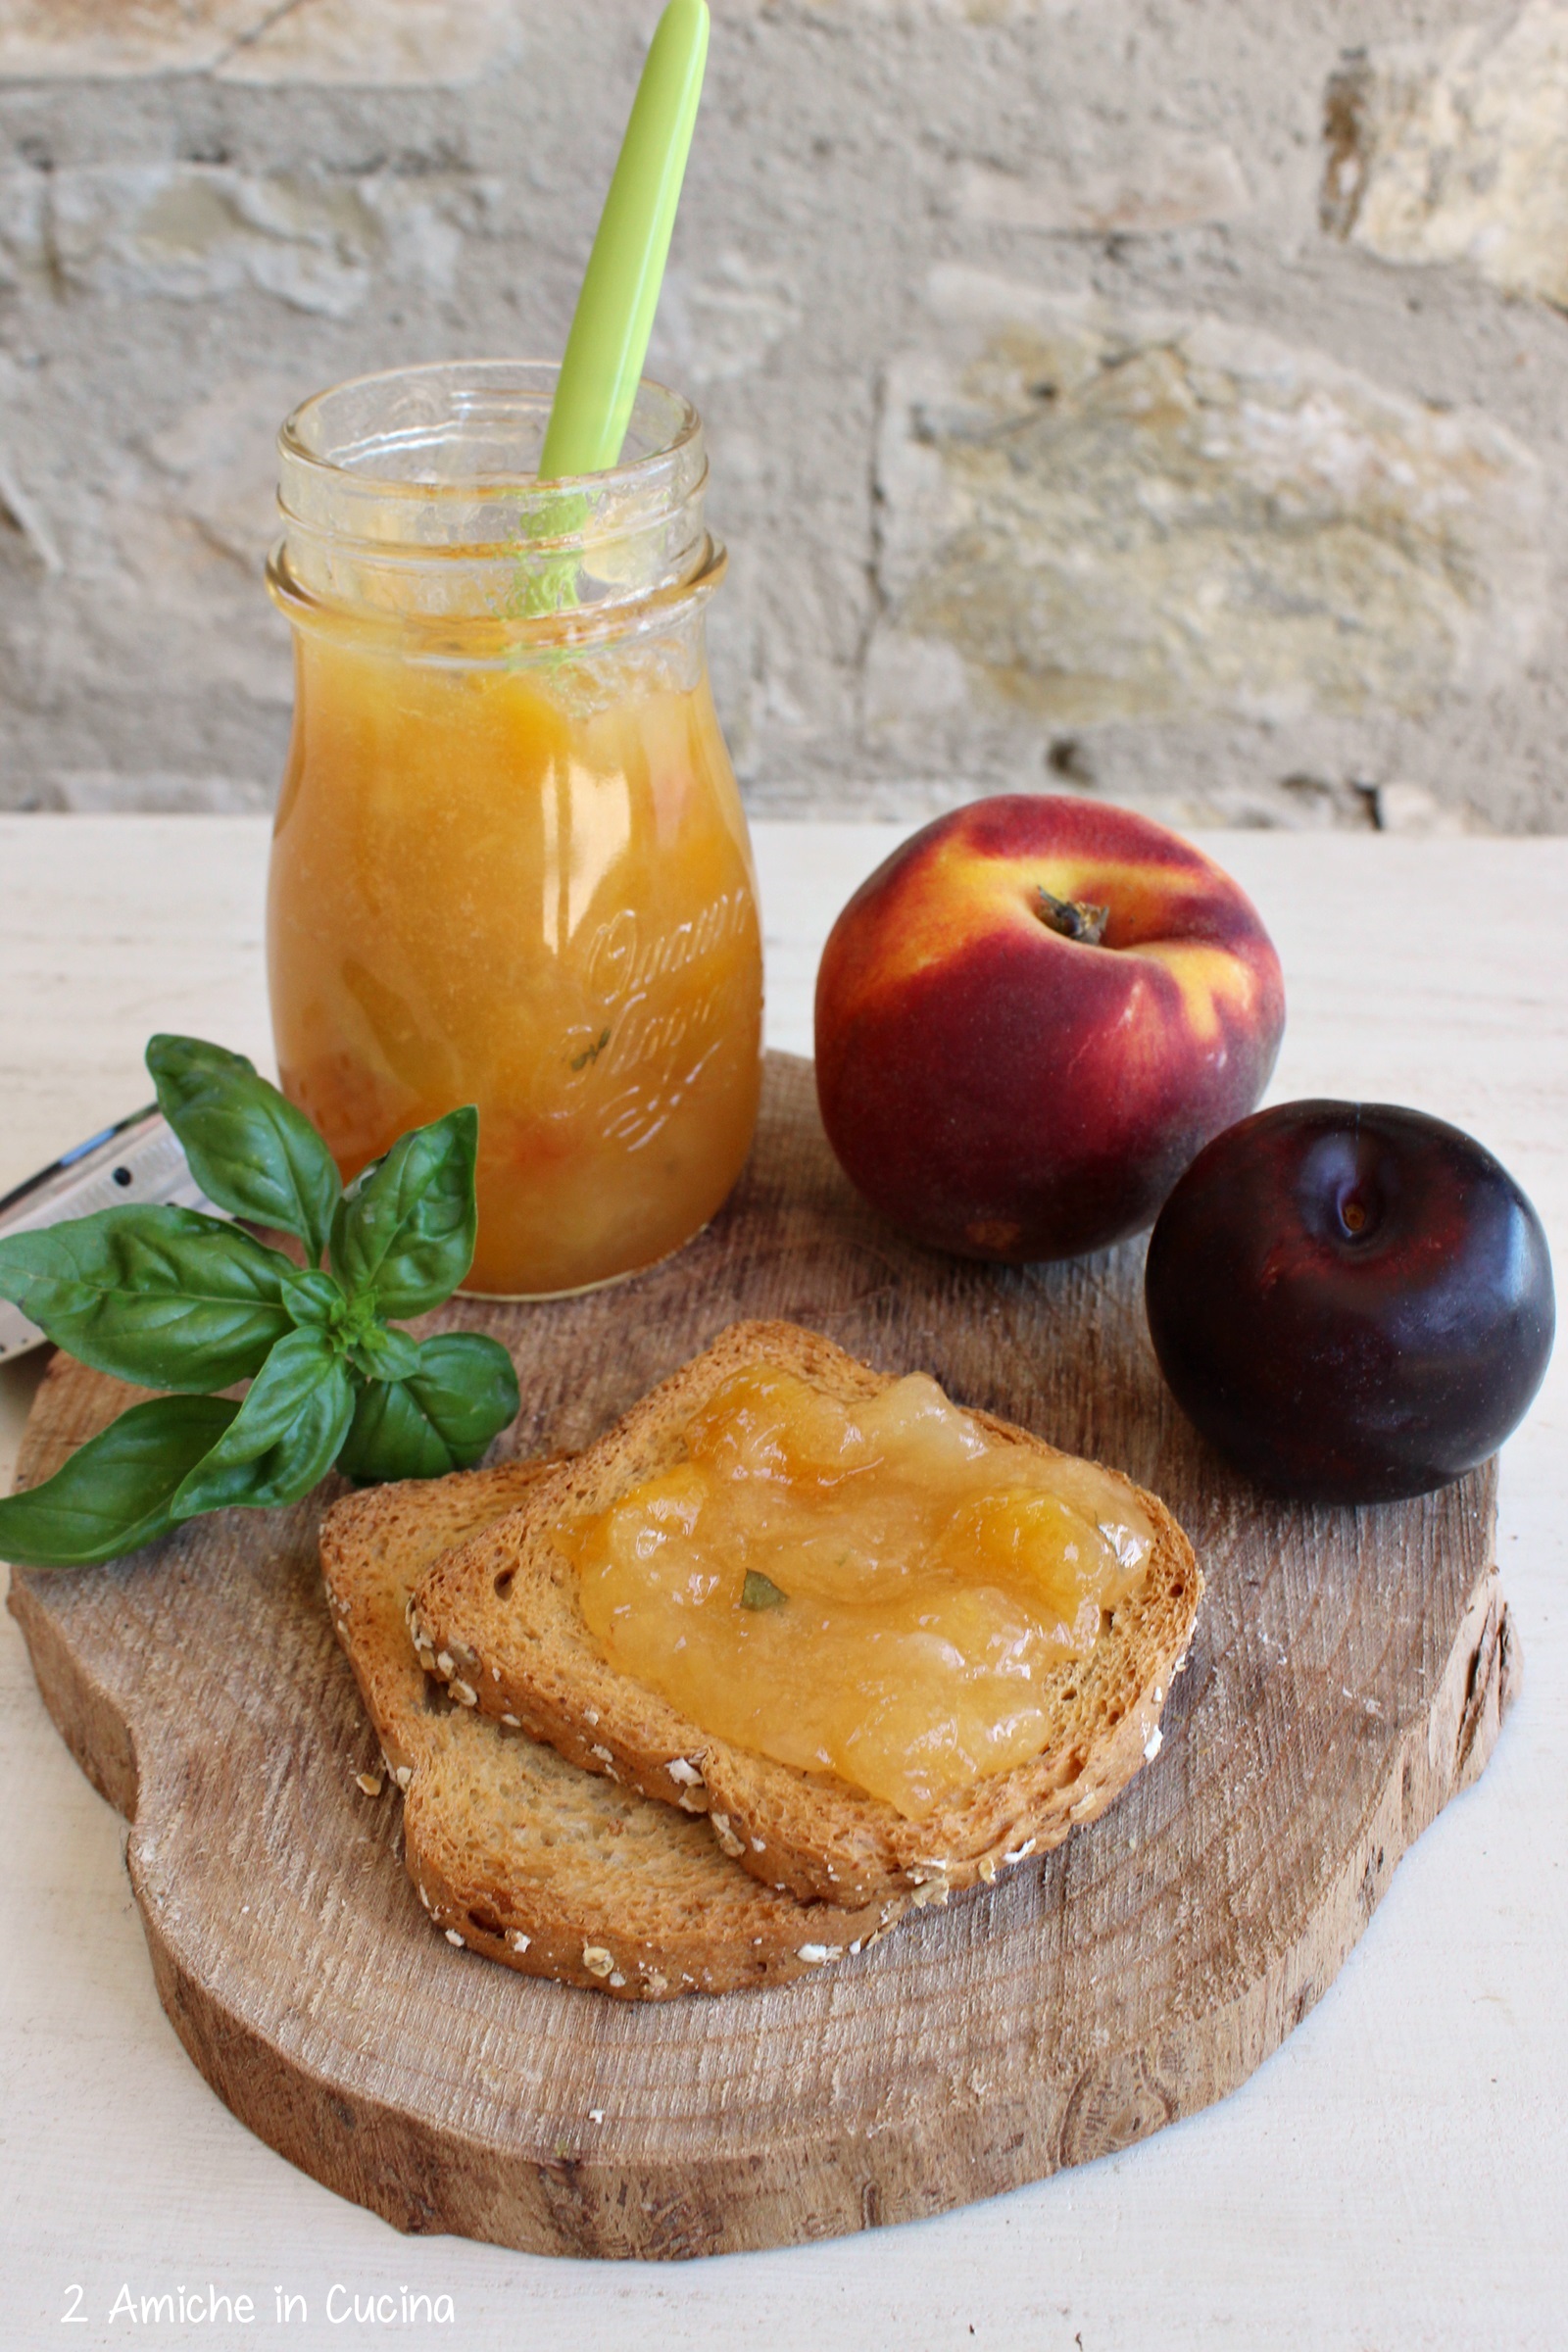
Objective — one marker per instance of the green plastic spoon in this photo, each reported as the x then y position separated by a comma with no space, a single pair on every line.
608,344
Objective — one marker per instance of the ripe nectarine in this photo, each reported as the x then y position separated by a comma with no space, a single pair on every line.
1032,1017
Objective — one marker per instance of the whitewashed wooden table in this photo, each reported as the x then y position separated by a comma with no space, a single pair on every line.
1396,2176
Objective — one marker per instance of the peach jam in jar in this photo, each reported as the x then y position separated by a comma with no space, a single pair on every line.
510,865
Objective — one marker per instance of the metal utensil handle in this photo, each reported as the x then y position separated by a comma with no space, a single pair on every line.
138,1159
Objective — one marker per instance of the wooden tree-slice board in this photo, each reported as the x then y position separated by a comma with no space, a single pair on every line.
1348,1676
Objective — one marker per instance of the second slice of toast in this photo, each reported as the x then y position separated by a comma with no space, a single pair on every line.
513,1850
499,1620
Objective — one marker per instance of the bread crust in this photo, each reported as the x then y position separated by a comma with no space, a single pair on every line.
514,1851
499,1620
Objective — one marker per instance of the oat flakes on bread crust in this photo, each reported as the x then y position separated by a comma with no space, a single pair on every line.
499,1619
516,1852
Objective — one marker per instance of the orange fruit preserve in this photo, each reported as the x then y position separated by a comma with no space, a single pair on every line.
888,1591
509,887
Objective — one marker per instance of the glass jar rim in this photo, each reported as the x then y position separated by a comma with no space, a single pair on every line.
415,493
531,377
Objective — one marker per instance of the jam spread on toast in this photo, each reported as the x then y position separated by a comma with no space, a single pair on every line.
887,1590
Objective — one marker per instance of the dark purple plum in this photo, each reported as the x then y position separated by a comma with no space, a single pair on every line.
1352,1301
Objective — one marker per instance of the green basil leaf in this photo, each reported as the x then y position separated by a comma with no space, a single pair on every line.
286,1435
381,1353
113,1495
391,1438
159,1294
442,1419
403,1233
314,1301
249,1148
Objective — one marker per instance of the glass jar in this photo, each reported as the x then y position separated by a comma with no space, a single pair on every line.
510,865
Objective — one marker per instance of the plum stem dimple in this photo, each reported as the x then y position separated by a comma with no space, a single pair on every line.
1072,919
1357,1217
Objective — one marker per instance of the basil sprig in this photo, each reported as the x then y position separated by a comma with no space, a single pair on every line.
186,1303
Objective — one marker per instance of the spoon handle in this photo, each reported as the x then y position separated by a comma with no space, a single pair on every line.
614,316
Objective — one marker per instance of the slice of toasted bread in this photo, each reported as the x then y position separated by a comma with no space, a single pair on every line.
499,1620
513,1850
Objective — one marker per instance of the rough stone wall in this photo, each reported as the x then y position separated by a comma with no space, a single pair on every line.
1166,398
